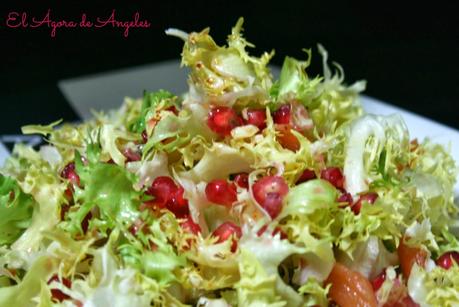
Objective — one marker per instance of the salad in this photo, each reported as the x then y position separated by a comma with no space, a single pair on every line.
244,191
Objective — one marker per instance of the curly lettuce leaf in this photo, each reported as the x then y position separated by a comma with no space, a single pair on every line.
16,209
294,82
369,258
172,132
109,187
109,283
37,178
329,102
24,293
215,163
256,287
159,263
438,287
373,139
224,74
316,295
150,102
40,129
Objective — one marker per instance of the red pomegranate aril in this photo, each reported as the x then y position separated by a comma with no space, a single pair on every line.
131,155
378,280
189,226
446,260
282,115
225,231
85,222
273,204
407,301
345,198
308,174
162,188
286,138
70,173
221,192
334,176
144,136
222,120
256,118
242,180
368,197
269,192
276,231
269,184
56,294
282,234
136,227
177,204
172,109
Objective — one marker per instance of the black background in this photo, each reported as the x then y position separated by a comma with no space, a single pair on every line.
408,52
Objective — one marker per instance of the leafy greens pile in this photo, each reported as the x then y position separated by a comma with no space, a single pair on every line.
119,210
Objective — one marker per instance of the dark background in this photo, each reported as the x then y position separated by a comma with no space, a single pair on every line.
407,53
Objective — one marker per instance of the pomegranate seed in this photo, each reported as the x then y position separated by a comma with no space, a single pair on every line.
136,227
177,204
131,155
162,188
189,226
225,231
273,204
242,180
269,192
222,120
173,109
276,231
345,198
262,230
368,197
85,222
334,176
221,192
64,209
56,294
282,115
279,231
286,138
378,280
407,301
446,260
308,174
70,173
144,136
256,118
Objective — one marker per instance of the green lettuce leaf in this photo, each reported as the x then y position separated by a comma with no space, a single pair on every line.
109,283
256,287
315,293
109,187
151,101
369,137
37,178
329,102
438,287
224,74
159,264
16,209
23,294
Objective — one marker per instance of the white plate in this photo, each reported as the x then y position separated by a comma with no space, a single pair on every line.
107,90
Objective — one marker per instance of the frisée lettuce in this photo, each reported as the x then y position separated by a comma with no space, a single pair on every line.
243,191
